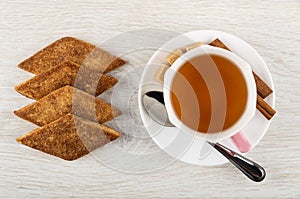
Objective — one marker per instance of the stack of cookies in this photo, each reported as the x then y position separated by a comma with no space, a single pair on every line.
70,74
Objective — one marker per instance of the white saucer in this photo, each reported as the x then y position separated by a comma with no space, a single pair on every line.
198,152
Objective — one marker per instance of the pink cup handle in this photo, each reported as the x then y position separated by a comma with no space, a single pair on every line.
241,142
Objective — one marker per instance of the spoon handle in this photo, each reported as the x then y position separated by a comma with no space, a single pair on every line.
251,169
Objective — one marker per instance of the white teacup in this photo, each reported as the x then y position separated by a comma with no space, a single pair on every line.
245,70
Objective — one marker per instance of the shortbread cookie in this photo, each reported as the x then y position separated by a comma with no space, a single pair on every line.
66,73
67,100
71,49
70,137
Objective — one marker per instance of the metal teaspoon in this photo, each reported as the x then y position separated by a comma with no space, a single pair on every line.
154,104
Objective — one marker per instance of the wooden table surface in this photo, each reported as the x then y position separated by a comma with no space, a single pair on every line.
272,27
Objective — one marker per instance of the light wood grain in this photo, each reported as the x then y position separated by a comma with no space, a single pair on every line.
272,27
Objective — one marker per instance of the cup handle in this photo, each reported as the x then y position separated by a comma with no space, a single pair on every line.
241,142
